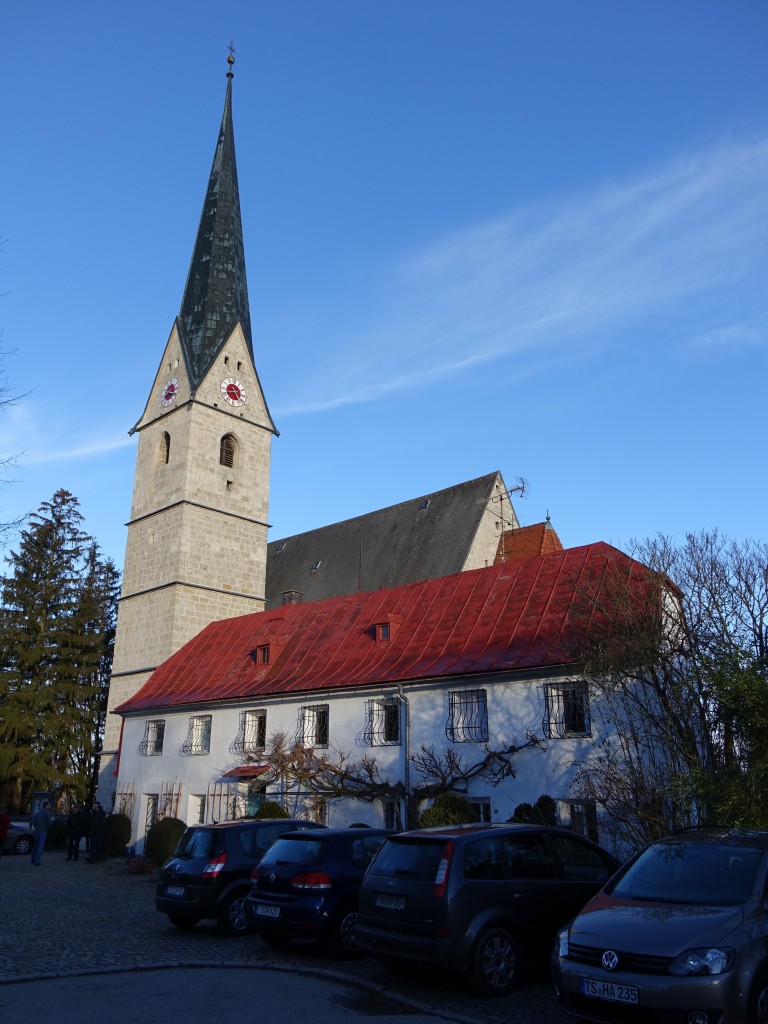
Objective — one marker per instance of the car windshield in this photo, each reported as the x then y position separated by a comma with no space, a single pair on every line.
696,873
295,851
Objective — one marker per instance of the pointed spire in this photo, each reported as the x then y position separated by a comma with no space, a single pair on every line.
216,293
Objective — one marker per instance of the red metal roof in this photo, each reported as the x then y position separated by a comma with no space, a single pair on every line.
527,614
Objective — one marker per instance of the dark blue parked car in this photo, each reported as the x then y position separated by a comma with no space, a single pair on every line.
306,886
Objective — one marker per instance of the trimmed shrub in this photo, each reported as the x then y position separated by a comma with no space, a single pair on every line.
543,812
116,836
272,809
162,839
448,809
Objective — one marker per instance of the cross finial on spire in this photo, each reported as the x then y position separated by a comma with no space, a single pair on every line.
231,59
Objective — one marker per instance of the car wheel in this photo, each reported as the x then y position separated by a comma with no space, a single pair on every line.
340,939
182,920
275,940
758,1013
22,845
231,917
494,968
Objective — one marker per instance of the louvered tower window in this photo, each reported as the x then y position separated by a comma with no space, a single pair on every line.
227,451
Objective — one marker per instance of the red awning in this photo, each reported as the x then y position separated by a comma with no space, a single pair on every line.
246,771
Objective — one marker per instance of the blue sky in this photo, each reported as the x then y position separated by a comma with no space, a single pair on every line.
480,234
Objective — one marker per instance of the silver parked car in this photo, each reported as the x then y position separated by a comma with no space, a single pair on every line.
19,839
679,934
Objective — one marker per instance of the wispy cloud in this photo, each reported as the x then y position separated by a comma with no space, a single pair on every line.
29,437
688,240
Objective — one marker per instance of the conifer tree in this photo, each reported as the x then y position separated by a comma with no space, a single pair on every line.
56,634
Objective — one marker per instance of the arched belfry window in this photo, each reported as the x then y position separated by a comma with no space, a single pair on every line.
165,447
227,450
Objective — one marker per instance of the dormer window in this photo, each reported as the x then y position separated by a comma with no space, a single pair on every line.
316,565
281,546
263,654
386,627
424,504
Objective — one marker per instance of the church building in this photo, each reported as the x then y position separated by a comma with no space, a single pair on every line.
437,627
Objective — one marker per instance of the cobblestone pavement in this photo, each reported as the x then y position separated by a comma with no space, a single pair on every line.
74,918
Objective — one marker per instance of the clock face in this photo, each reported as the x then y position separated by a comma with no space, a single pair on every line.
232,391
170,391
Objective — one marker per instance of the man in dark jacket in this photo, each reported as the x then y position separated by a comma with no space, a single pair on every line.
98,819
77,826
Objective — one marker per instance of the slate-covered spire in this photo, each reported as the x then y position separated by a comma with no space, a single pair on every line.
216,293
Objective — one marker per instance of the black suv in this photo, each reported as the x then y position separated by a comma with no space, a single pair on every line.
209,874
485,900
306,887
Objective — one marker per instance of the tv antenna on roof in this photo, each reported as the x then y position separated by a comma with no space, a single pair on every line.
521,487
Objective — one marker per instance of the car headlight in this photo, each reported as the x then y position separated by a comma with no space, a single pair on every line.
702,961
562,942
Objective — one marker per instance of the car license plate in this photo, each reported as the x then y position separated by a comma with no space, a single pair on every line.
390,902
264,911
174,890
608,990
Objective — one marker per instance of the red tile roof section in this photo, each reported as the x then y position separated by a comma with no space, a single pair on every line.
523,615
527,541
246,771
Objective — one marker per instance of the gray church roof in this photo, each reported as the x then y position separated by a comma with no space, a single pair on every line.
216,293
420,539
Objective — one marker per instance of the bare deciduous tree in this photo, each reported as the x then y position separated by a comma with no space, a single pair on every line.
678,675
329,773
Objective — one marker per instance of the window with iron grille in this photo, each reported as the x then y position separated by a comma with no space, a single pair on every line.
252,734
313,726
198,739
152,743
391,817
566,710
382,721
583,814
227,450
481,808
151,812
467,716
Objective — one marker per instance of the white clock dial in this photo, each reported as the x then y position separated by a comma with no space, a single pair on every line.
170,391
232,391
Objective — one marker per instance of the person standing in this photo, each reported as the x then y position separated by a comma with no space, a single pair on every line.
77,826
41,822
5,821
98,819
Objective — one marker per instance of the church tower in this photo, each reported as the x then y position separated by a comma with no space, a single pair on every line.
197,536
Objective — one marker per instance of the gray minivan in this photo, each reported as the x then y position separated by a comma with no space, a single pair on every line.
482,899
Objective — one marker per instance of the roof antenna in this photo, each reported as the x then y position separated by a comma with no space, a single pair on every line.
521,488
